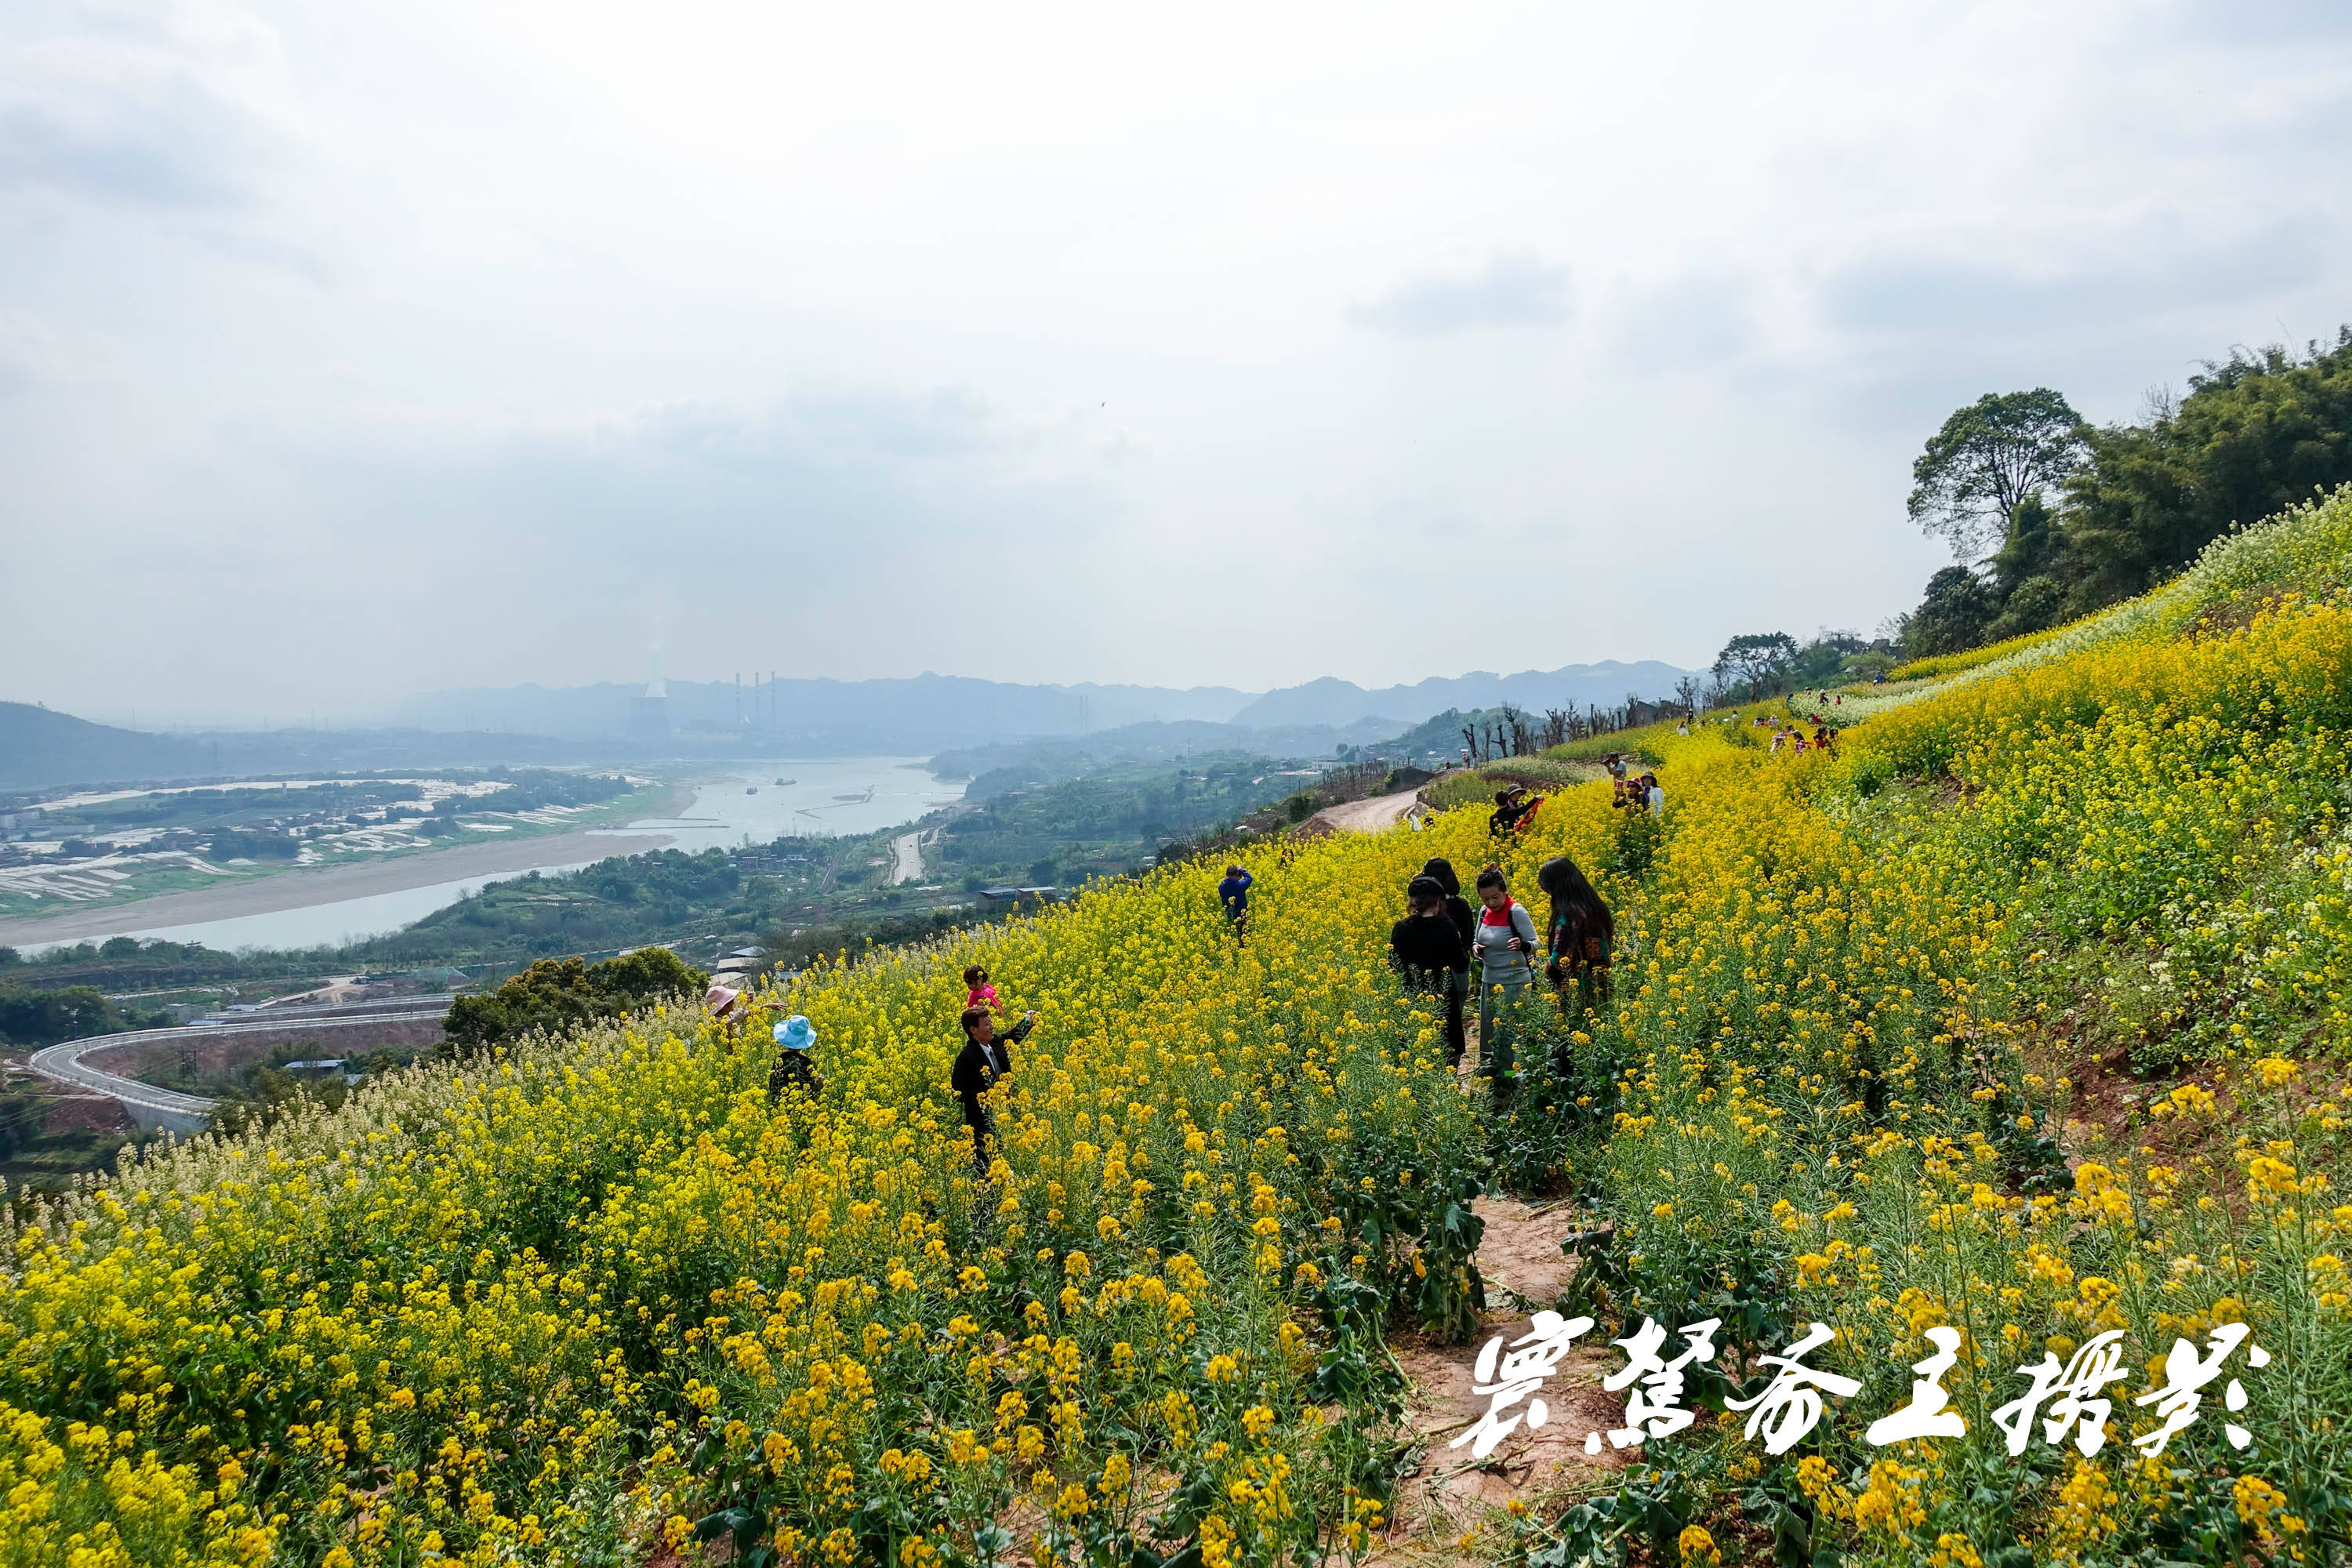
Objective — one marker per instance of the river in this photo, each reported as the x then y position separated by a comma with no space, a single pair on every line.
821,796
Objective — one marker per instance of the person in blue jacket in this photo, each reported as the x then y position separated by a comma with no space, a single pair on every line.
1234,894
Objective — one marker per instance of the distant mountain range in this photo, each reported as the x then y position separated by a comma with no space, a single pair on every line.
1574,686
921,716
939,712
41,750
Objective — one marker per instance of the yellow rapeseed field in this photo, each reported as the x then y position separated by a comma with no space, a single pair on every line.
594,1299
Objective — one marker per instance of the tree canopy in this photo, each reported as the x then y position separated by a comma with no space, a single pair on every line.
1755,660
563,993
1990,457
2061,519
2256,433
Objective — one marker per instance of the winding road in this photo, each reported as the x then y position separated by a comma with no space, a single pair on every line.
152,1107
1372,816
909,867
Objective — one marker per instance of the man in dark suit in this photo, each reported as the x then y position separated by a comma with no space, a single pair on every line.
983,1060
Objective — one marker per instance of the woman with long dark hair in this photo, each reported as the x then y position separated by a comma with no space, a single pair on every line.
1584,934
1427,952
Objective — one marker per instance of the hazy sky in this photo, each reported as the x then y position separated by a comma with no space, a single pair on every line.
348,350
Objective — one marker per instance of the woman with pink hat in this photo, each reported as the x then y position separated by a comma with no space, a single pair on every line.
727,1007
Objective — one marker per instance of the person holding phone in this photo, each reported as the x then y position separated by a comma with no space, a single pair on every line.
1232,896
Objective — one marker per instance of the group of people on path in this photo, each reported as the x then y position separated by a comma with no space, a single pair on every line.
1822,738
1631,790
985,1057
1440,936
1432,948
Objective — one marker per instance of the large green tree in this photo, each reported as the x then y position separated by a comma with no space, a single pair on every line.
1952,616
2255,433
1990,458
1757,661
560,994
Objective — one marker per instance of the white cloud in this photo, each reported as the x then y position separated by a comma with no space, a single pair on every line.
350,349
1508,291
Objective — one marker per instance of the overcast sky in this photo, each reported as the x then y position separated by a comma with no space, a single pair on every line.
349,349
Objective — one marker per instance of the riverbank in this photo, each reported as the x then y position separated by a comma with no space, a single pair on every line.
338,884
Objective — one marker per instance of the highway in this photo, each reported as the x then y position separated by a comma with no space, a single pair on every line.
63,1063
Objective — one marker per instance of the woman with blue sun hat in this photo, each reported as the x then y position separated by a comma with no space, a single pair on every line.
796,1038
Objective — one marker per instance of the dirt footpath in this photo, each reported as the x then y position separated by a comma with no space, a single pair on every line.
1360,816
1449,1494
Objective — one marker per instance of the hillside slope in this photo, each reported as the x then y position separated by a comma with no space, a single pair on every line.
39,748
563,1306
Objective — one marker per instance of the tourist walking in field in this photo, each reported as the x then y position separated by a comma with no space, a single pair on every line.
727,1009
1464,920
1439,869
796,1038
1232,895
1506,945
1583,934
1426,951
985,1057
1513,806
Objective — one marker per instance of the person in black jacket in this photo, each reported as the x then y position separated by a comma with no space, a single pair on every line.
1465,922
1513,806
1439,869
1426,951
983,1060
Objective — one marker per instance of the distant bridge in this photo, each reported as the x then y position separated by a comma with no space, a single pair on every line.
188,1113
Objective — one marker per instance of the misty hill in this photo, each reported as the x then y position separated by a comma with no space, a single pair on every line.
921,713
1013,764
38,749
930,713
1577,686
42,750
